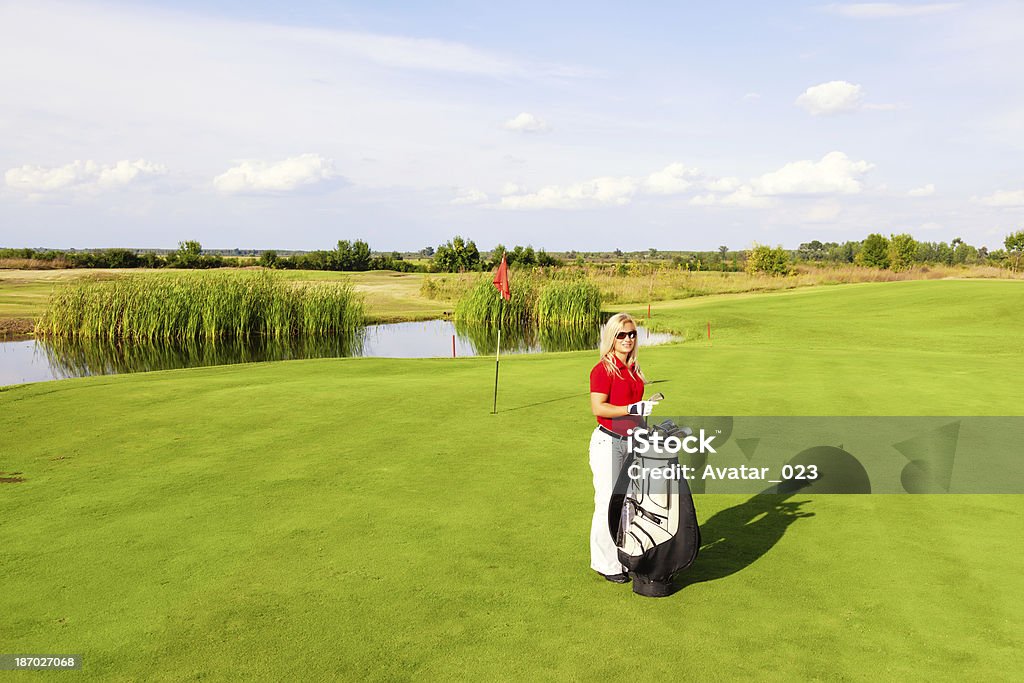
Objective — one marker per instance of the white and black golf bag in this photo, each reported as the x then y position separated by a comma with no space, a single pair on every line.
653,521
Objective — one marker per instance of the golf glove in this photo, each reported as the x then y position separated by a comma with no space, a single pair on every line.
643,408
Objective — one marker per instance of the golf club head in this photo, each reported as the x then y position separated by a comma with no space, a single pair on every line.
670,428
657,397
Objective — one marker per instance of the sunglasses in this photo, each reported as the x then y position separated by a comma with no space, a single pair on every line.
623,335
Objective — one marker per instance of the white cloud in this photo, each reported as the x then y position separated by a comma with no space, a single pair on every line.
729,184
834,174
1003,198
834,97
81,176
743,197
752,97
675,178
470,197
255,176
924,191
605,191
527,123
880,10
672,179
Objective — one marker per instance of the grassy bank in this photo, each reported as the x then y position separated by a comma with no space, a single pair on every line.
203,523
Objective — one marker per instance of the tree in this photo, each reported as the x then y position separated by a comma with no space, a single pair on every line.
456,256
1014,244
944,253
963,252
545,259
874,252
843,253
723,250
618,253
497,252
118,258
427,251
268,259
812,251
187,255
351,256
764,259
902,251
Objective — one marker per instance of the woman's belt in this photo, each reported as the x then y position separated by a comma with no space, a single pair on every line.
614,435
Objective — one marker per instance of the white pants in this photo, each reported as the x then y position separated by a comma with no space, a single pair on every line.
606,457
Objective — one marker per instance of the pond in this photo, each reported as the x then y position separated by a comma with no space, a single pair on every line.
40,360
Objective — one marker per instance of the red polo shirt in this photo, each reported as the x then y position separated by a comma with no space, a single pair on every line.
621,391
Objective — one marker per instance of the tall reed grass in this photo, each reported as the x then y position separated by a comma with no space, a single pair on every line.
483,305
537,299
201,305
574,303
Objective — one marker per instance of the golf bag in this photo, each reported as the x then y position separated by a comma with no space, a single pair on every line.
653,520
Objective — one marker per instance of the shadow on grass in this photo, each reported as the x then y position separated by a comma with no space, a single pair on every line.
540,403
736,537
563,398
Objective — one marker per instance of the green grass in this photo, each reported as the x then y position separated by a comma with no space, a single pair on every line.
24,293
367,518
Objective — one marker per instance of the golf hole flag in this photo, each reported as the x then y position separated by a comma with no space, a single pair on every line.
501,279
501,282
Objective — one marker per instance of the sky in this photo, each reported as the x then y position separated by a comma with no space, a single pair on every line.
579,125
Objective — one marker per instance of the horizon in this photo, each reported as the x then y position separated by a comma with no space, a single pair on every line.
137,123
483,250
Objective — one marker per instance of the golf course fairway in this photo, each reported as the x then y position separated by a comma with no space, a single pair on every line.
370,519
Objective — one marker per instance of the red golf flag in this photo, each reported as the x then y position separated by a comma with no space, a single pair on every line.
501,279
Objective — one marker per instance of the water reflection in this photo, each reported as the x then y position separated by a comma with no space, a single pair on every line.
529,340
79,358
45,359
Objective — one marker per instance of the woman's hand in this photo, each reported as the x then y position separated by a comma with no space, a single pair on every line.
601,408
643,408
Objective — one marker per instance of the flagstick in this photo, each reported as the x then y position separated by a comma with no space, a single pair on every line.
497,355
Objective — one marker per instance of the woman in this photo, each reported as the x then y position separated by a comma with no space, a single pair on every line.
616,399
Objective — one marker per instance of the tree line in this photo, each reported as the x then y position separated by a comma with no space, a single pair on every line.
896,252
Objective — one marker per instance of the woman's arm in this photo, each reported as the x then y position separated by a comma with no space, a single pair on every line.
601,408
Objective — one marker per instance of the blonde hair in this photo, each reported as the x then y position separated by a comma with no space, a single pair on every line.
607,350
